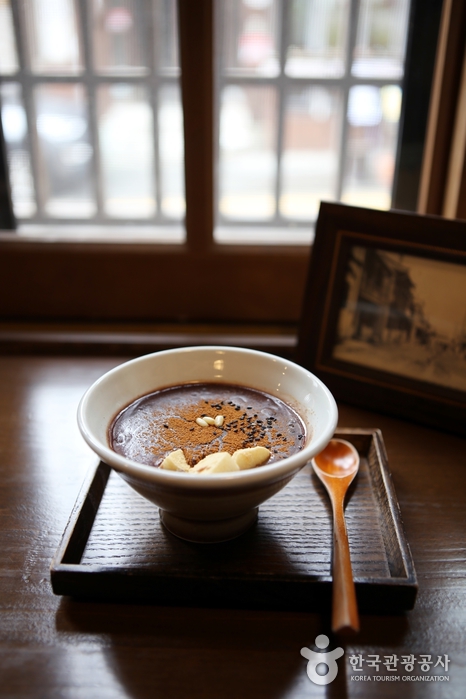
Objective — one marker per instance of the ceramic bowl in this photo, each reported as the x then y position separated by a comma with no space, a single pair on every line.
216,507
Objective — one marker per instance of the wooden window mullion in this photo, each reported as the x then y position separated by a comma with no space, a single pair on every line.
197,87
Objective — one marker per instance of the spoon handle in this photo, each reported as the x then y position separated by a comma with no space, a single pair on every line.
344,605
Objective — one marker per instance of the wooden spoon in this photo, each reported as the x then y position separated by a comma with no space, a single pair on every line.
336,466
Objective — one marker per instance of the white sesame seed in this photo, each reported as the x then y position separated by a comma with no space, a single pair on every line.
209,420
219,420
201,422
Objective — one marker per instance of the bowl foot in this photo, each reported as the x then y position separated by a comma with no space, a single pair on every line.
208,532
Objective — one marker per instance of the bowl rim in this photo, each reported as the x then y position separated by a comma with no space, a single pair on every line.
236,479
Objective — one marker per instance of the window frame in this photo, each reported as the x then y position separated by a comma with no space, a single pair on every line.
197,281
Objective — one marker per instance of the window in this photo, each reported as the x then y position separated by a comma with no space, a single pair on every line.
91,111
305,105
309,106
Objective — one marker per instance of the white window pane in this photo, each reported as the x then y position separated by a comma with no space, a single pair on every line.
52,36
250,36
126,140
118,35
248,152
267,117
171,149
166,40
15,132
310,151
373,116
381,38
8,55
318,38
65,152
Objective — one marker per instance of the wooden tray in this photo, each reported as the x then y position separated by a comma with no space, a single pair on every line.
115,548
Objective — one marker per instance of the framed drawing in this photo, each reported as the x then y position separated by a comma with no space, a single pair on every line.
384,313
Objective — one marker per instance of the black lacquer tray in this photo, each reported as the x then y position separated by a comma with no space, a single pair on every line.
114,547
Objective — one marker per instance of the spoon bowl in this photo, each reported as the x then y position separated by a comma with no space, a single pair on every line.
338,459
336,466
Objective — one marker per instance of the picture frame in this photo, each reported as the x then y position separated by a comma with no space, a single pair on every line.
384,313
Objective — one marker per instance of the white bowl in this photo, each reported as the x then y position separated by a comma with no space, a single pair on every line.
222,506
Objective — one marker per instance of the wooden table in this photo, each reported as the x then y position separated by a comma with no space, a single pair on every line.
55,647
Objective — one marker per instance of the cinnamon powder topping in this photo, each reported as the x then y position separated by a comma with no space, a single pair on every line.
157,424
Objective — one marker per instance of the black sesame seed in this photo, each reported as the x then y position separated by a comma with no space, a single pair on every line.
166,426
